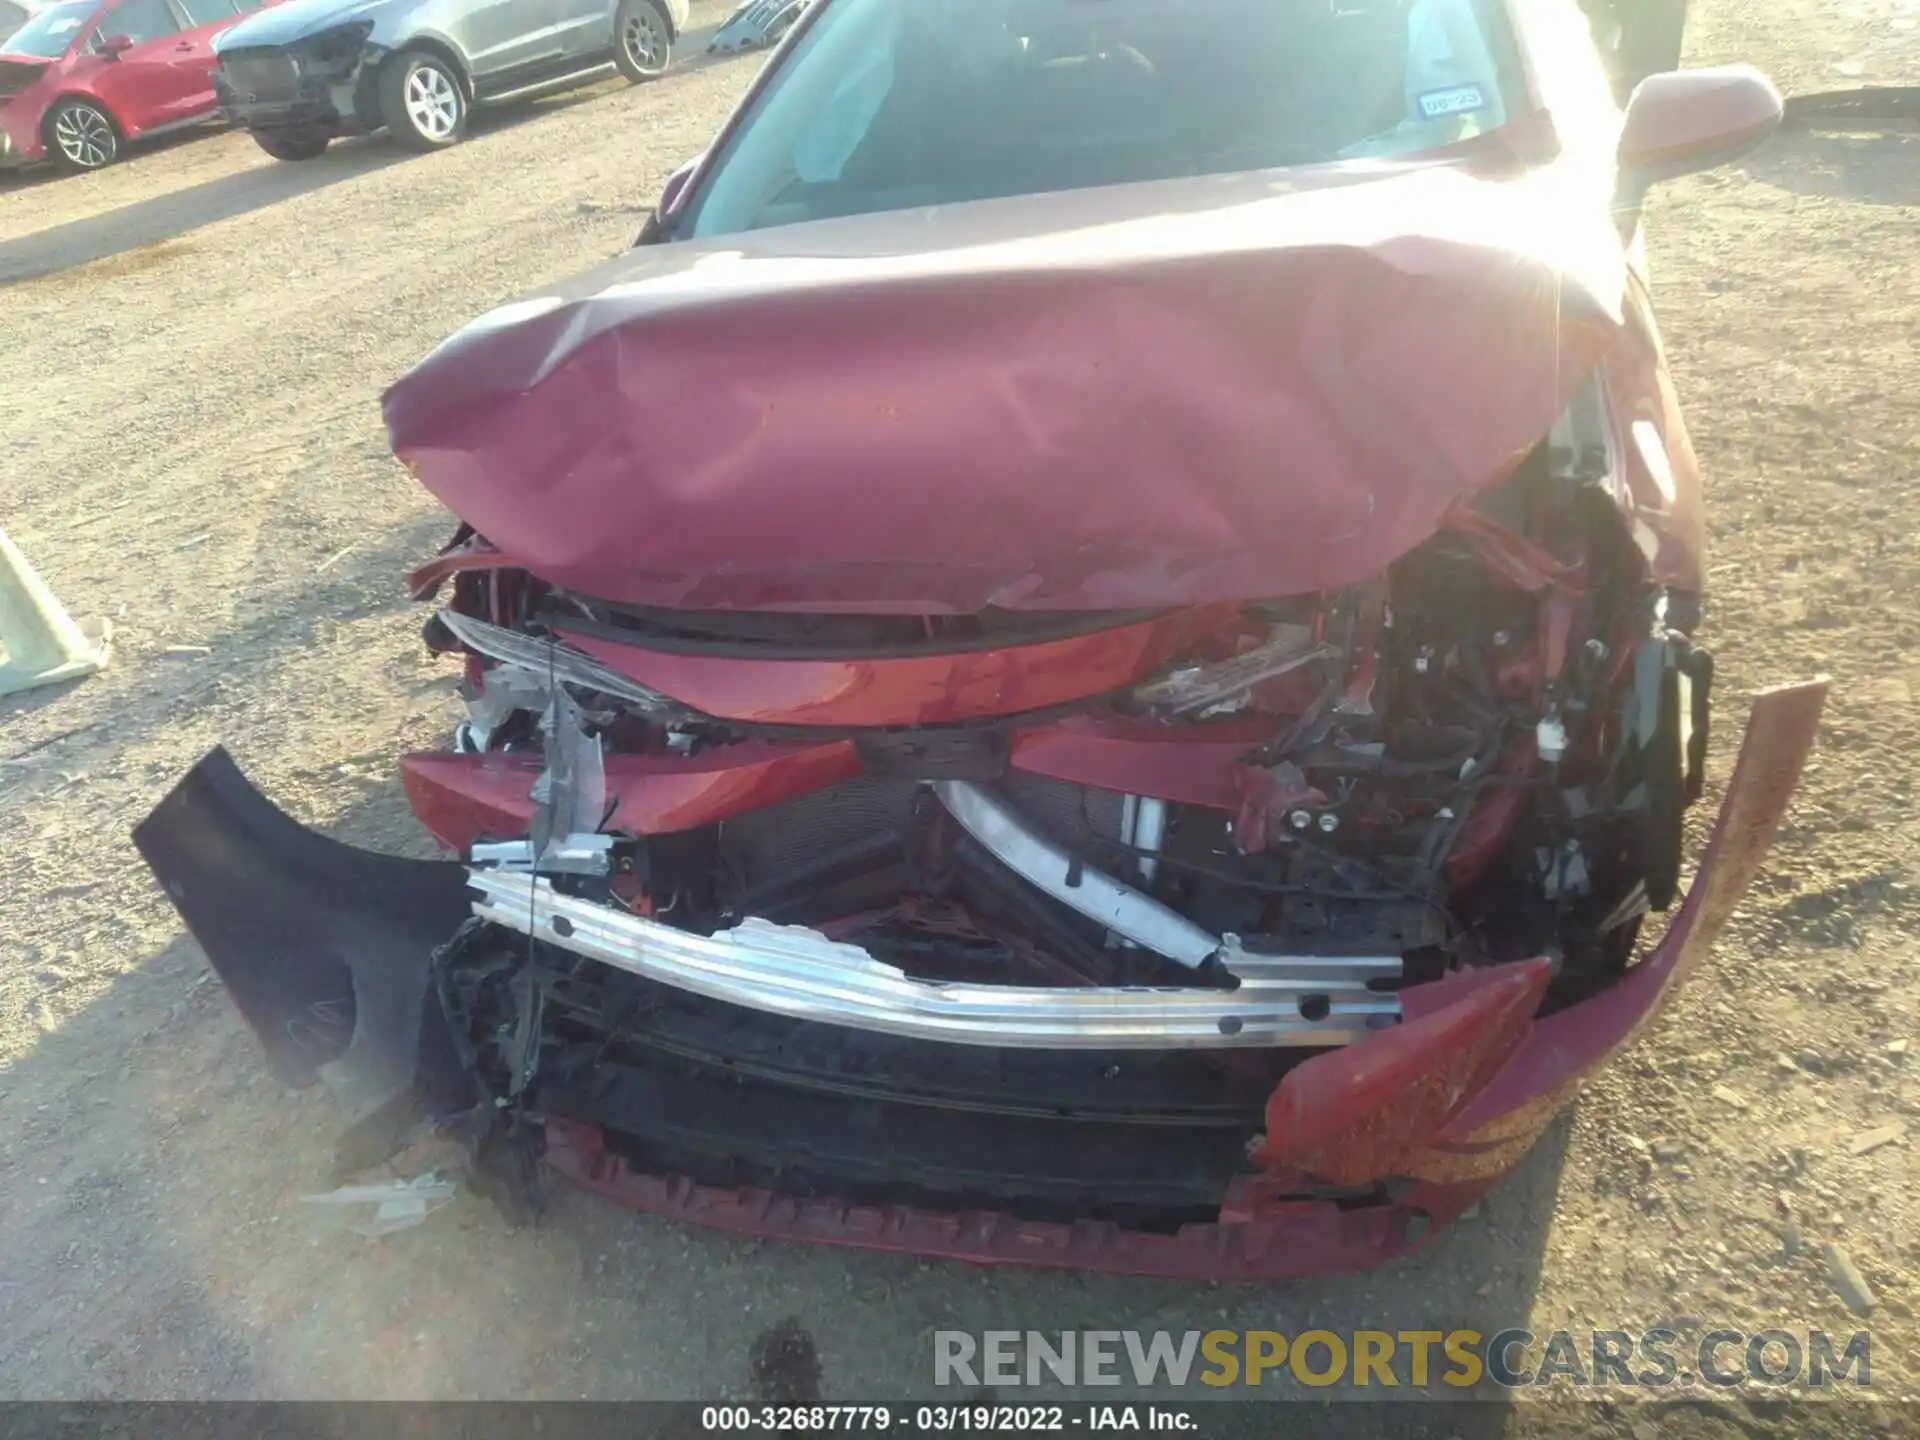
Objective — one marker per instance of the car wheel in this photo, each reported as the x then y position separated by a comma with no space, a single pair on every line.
421,101
82,136
292,144
642,40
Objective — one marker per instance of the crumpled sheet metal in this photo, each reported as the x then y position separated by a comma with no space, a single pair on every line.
1132,396
1461,1090
1450,1100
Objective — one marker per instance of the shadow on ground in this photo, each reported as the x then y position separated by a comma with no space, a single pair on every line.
149,232
1858,161
47,173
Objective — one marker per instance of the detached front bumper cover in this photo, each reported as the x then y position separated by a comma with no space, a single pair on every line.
328,951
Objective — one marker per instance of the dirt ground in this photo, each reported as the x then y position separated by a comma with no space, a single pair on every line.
195,342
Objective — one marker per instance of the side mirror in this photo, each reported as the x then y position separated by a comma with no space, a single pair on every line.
114,46
671,194
676,186
1680,121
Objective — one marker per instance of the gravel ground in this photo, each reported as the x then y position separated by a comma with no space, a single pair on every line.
195,344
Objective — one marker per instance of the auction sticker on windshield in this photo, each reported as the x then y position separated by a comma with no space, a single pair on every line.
1455,100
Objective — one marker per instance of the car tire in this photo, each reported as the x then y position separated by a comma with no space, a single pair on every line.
422,102
642,40
292,144
81,136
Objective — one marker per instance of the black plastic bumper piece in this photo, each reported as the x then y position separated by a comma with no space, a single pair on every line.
327,950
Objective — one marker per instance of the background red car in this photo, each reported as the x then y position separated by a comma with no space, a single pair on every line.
83,78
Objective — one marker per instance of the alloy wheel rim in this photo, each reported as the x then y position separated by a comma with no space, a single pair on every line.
432,102
646,44
84,136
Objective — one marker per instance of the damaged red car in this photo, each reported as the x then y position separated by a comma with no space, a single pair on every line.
1086,655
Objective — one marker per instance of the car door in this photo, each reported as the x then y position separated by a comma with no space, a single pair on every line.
145,85
588,27
194,52
504,38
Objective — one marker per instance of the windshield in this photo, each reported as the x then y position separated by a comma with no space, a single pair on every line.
886,104
48,34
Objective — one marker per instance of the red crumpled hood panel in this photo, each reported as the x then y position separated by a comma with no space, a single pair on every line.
1139,396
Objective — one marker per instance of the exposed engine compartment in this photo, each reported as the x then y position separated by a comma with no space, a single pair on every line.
1233,846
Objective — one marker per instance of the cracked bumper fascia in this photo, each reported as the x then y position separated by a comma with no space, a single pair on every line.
341,104
327,950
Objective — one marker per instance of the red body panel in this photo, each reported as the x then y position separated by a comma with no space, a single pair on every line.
164,81
154,82
1451,1099
1125,396
1657,485
464,798
461,799
908,690
1290,1241
1139,396
1371,1112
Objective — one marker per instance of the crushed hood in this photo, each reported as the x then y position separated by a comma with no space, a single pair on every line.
1144,395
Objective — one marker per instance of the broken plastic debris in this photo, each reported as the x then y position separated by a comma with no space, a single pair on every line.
755,24
399,1204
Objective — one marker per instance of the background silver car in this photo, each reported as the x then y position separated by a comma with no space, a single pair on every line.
14,14
300,73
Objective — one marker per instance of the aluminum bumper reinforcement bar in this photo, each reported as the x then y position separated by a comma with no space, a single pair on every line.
1282,1000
